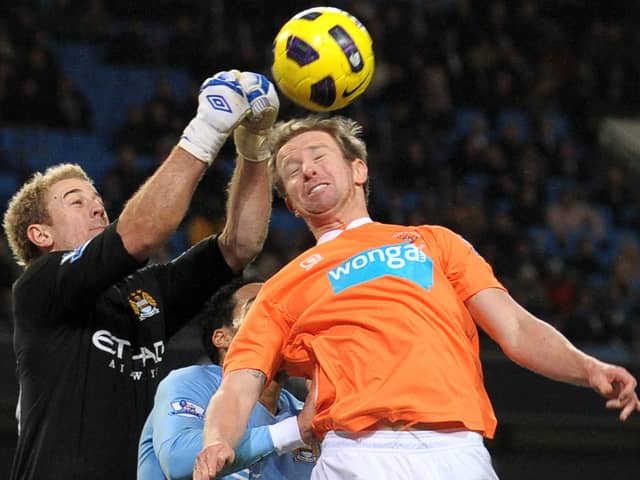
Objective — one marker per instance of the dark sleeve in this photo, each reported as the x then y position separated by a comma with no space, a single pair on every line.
188,281
71,281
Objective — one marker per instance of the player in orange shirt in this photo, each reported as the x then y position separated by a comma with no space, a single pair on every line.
383,318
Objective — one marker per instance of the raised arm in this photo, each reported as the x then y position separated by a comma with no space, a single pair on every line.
249,203
539,347
226,419
157,208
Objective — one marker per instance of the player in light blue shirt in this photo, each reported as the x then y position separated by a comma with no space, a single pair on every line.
271,448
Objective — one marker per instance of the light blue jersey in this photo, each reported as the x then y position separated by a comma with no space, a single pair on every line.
172,435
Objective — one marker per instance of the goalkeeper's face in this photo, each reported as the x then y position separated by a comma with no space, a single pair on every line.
76,215
317,178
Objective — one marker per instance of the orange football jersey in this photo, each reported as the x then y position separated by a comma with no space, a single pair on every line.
378,316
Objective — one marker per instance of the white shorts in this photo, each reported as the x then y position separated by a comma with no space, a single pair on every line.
406,455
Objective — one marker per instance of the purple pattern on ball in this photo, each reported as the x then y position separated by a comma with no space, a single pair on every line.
300,51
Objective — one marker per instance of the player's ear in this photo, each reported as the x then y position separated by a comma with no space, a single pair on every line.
360,171
219,338
40,235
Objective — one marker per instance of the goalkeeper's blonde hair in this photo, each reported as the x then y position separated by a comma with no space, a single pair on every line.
28,206
346,132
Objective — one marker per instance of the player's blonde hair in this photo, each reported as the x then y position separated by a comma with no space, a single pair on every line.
28,206
345,131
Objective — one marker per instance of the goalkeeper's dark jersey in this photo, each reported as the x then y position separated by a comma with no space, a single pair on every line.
90,340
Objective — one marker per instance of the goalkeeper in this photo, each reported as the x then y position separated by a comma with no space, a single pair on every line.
91,320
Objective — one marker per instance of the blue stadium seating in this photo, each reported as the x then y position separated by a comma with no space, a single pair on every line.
507,118
9,183
463,121
110,89
40,148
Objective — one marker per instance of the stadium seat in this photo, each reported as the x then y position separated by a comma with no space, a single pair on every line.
560,125
111,89
9,183
463,121
506,118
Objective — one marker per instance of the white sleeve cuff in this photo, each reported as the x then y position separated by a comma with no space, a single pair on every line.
286,435
202,140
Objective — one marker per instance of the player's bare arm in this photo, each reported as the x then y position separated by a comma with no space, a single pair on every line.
236,397
539,347
156,210
249,194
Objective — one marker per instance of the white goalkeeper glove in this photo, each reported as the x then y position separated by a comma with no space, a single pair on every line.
222,105
251,135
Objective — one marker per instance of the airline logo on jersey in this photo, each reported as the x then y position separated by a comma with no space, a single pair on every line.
185,408
404,260
138,362
143,304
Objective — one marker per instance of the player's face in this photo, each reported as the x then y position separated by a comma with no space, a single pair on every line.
77,213
244,298
317,179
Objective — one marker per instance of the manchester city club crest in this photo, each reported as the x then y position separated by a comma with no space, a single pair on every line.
143,304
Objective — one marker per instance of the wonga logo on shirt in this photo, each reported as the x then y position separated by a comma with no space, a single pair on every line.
404,261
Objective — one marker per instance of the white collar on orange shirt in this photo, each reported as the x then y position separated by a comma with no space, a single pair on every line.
335,233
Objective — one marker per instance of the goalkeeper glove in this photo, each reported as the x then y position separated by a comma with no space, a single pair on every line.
251,135
222,105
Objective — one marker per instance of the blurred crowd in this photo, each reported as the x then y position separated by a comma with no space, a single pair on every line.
482,116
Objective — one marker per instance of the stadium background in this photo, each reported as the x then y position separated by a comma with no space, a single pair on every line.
512,122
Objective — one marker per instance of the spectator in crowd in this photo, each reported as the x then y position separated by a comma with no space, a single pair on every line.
613,189
72,108
130,45
571,218
132,131
121,180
